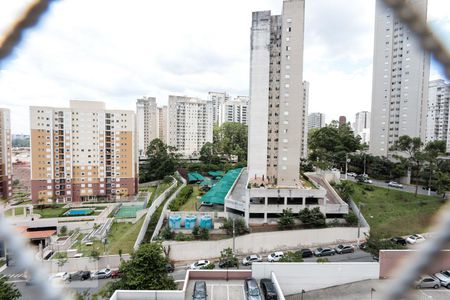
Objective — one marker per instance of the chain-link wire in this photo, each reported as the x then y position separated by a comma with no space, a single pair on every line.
418,262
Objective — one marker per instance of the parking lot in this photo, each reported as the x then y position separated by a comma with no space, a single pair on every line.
220,289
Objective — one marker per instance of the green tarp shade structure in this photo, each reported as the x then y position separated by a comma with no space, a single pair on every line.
218,192
207,182
216,173
195,177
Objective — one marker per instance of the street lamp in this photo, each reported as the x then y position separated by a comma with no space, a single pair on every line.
360,204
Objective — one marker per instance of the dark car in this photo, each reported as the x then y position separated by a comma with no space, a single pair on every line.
115,274
251,289
170,268
80,275
341,249
268,290
324,252
398,240
363,246
228,263
432,188
199,292
305,253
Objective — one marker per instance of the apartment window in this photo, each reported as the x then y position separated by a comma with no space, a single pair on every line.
289,29
288,48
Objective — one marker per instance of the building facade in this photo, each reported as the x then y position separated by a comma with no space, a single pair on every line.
276,95
162,123
217,100
361,126
438,116
147,123
304,121
5,154
190,124
400,81
342,120
316,120
235,110
82,153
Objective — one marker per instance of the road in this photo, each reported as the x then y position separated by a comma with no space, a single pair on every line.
406,187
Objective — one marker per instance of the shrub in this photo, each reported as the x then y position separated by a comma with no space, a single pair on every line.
204,234
286,220
239,225
63,230
209,267
182,237
181,198
369,188
196,231
351,219
292,257
312,218
95,255
322,260
167,233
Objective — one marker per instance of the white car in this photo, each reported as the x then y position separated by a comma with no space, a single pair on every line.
395,184
444,278
59,277
251,259
199,264
275,256
351,174
415,238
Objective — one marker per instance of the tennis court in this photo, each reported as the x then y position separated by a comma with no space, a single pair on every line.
128,211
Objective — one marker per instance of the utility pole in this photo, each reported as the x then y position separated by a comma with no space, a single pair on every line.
364,163
234,234
359,222
346,165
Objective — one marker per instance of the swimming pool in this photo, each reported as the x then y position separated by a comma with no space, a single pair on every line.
78,212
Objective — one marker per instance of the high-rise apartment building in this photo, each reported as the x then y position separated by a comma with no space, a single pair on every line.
316,120
277,95
438,116
400,81
235,110
304,121
162,123
82,153
342,120
217,100
147,123
361,126
5,154
190,124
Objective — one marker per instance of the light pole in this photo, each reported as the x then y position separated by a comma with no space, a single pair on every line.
359,221
234,234
364,163
347,160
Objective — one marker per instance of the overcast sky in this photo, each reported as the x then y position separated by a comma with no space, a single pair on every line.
117,51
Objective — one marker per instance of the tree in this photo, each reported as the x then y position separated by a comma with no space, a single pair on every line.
292,257
227,256
375,244
330,144
231,139
208,154
162,160
312,218
8,290
146,270
411,147
286,220
345,190
351,218
204,234
239,226
63,230
432,151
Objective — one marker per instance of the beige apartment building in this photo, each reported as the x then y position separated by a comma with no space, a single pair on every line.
190,124
82,153
5,154
162,123
147,123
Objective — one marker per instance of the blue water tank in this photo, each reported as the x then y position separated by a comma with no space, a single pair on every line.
206,222
175,221
190,221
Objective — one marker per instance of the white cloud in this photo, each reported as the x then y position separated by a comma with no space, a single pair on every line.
117,51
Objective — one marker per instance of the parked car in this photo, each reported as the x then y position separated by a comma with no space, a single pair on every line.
395,184
268,290
444,278
427,282
170,267
415,238
432,188
59,278
275,256
199,264
351,174
398,240
199,292
101,274
363,246
115,274
341,249
80,275
228,263
376,258
305,253
324,252
251,289
251,259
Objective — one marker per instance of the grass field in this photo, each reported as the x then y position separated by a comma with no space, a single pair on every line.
394,212
19,212
191,203
53,212
121,236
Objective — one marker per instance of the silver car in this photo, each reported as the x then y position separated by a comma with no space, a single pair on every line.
444,278
427,282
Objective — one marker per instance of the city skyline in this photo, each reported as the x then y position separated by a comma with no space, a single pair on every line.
37,74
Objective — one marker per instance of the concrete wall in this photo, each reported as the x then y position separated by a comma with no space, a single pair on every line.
295,277
84,263
391,261
263,242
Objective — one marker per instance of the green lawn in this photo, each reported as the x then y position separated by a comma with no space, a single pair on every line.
121,236
393,212
55,211
191,203
19,211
